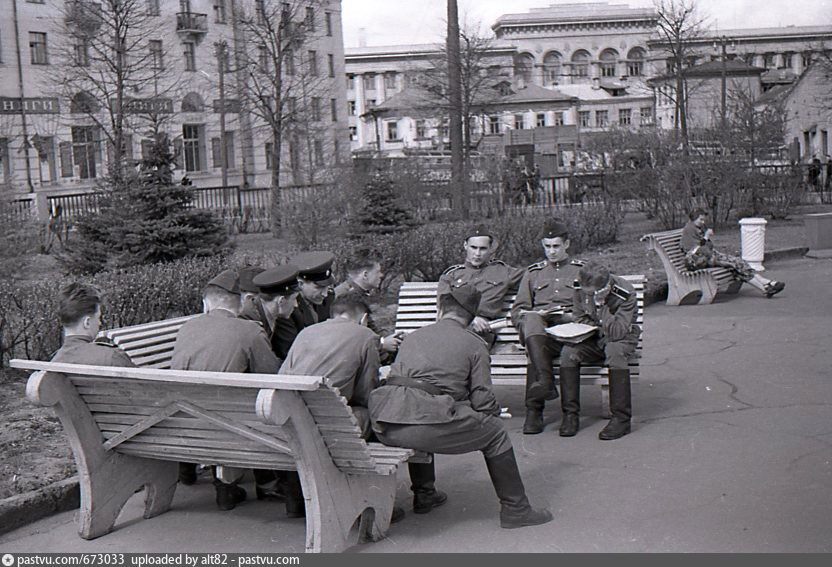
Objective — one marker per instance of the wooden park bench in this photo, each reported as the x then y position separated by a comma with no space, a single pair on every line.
417,308
129,427
685,286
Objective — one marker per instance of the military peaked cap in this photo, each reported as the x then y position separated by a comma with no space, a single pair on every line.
247,278
282,279
553,228
227,280
315,266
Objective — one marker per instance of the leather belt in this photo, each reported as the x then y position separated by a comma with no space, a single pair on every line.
414,383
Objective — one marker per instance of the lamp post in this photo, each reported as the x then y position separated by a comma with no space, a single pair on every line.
723,42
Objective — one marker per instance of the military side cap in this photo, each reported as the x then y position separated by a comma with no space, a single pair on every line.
468,297
282,279
479,230
247,278
227,280
553,228
315,267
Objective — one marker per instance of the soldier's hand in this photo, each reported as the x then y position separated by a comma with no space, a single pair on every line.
391,343
480,325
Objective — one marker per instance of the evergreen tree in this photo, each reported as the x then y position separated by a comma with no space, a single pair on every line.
145,217
381,211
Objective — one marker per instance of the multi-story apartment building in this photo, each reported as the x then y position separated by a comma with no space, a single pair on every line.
51,141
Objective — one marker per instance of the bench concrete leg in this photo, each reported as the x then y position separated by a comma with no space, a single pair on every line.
709,290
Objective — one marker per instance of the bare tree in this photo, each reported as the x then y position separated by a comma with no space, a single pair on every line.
112,71
679,23
283,86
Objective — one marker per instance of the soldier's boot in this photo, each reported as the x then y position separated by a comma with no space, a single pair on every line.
425,495
534,408
267,486
515,510
541,357
620,406
295,504
570,401
228,494
187,473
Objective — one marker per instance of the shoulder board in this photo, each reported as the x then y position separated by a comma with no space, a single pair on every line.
620,292
579,263
497,263
484,342
453,268
104,341
538,266
576,284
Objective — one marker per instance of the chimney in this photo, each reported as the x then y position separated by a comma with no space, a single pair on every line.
596,83
362,37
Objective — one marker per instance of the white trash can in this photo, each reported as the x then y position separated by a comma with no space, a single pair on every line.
753,233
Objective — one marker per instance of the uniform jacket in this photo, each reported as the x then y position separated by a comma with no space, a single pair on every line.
448,357
616,316
492,280
220,342
546,285
342,351
80,349
305,315
253,311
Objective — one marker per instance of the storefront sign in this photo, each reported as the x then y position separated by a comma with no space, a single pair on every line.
29,105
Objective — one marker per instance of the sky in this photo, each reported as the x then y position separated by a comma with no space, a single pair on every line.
393,22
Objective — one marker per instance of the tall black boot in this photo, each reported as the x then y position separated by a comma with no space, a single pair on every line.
267,486
541,356
515,510
570,401
620,406
534,408
422,481
295,505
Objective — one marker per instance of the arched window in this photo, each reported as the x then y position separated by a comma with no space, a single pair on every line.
192,102
635,62
83,103
551,67
580,63
609,58
523,66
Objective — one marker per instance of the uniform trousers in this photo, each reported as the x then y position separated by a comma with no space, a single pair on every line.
615,354
469,431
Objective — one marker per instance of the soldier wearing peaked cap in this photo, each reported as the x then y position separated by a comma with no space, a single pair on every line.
221,342
439,399
492,278
314,301
608,302
544,298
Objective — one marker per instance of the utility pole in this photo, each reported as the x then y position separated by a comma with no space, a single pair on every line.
22,93
458,181
222,56
723,42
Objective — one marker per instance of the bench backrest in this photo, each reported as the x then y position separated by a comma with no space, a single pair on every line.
204,417
149,345
668,246
417,308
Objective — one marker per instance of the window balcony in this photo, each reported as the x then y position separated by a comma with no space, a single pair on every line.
191,23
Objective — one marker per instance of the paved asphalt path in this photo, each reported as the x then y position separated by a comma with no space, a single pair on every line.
731,452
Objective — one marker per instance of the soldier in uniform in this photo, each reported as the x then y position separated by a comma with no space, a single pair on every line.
219,341
608,302
364,276
251,308
438,398
316,296
79,309
544,298
493,278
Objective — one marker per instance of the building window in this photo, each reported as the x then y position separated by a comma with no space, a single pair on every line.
216,150
191,136
602,118
444,128
559,119
370,82
646,115
371,103
156,54
768,60
353,133
421,129
328,22
269,146
313,63
609,59
37,48
316,109
319,152
390,81
190,56
82,52
352,109
333,109
519,121
310,19
524,66
583,118
153,7
85,150
580,63
263,59
493,124
350,82
392,131
219,11
541,119
635,63
330,61
260,11
551,67
625,116
294,154
788,58
289,57
806,58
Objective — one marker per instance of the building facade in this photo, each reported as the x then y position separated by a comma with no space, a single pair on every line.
54,139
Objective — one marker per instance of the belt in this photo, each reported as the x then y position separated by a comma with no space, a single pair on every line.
414,383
